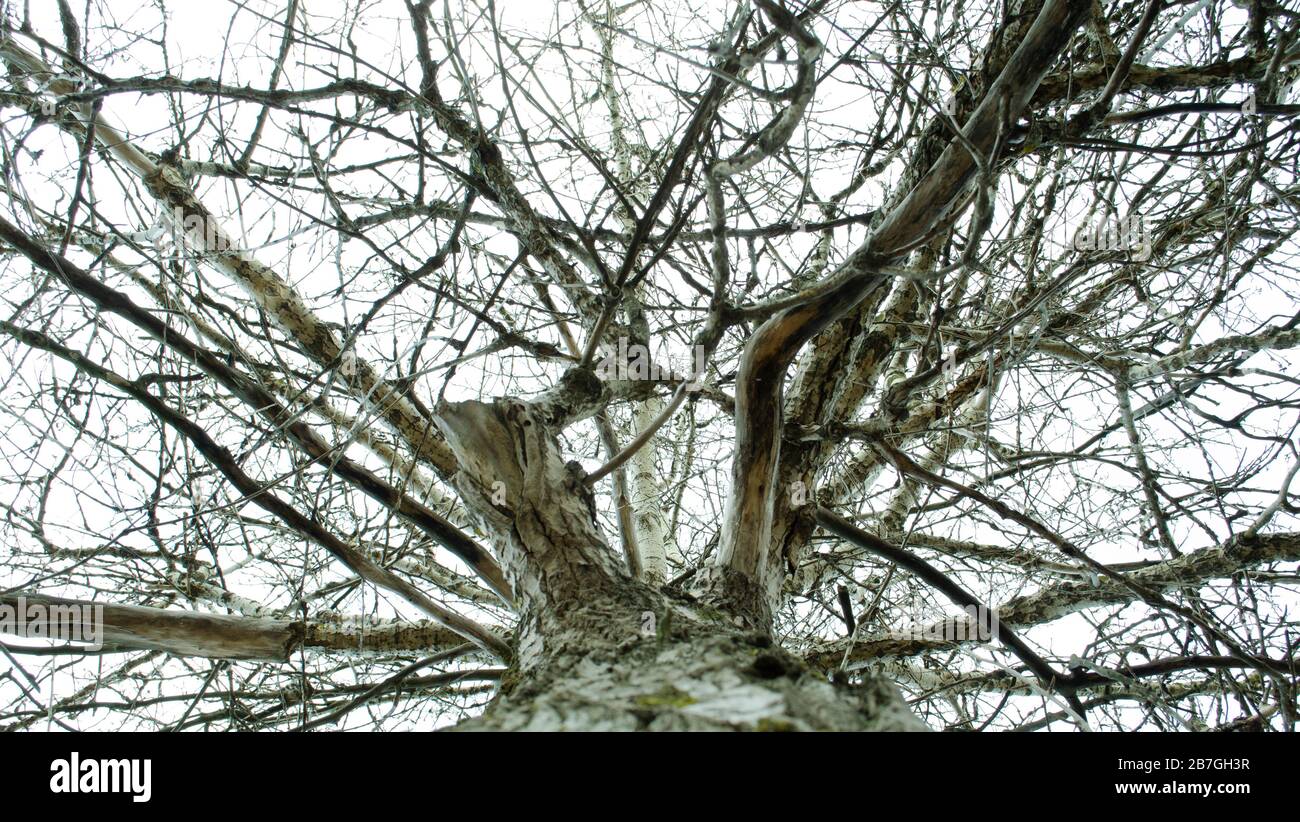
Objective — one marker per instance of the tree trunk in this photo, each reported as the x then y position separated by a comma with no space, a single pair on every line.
688,670
597,649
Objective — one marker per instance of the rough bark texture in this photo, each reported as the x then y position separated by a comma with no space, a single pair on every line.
597,649
692,673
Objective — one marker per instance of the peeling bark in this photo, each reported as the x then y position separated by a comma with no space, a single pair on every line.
598,649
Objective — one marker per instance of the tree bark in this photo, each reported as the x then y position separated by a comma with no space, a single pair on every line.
221,636
695,672
596,648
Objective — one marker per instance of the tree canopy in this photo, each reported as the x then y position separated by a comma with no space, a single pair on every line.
906,317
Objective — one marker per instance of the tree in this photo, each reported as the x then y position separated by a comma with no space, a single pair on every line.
769,365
